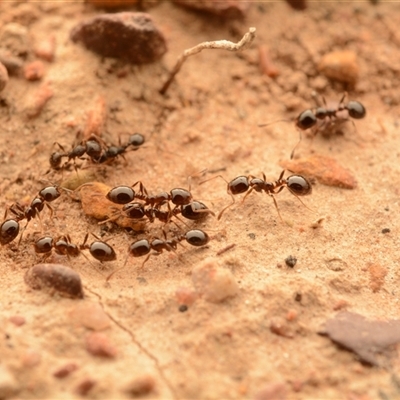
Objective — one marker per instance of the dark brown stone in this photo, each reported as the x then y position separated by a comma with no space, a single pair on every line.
129,36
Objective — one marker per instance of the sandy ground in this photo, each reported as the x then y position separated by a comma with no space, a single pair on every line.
209,121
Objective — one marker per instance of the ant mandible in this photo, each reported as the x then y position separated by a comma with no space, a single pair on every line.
298,185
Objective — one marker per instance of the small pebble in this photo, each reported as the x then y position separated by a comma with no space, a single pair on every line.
228,9
98,344
377,275
185,296
45,48
291,261
13,64
272,391
130,36
385,230
212,282
17,320
34,71
8,384
141,386
341,66
327,170
31,358
55,277
65,370
267,67
85,386
90,315
3,76
280,327
183,308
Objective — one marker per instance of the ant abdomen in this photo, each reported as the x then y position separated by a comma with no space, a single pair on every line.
121,195
102,251
43,245
140,248
298,185
197,237
356,110
9,230
239,185
194,211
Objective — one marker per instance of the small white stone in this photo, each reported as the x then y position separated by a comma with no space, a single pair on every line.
213,282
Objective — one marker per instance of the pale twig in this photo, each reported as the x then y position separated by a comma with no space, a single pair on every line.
217,44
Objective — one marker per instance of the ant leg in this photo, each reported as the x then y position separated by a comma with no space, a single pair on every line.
276,206
228,206
295,147
210,179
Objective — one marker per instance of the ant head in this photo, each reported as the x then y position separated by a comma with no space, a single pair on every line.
356,109
306,120
197,237
121,195
298,185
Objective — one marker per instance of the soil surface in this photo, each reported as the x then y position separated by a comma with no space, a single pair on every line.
264,341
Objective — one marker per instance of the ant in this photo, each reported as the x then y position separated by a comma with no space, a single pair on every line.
298,185
309,118
9,229
144,247
194,237
95,149
99,250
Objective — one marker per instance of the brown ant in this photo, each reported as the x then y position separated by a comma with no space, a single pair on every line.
99,250
309,118
97,151
298,185
154,247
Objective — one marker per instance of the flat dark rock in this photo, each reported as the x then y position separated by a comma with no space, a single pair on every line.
368,339
129,36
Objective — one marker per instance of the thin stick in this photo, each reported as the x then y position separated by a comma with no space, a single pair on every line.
218,44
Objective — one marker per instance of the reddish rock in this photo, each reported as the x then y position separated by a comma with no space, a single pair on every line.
297,4
96,118
229,9
377,274
129,36
98,344
65,370
280,327
185,296
56,277
85,386
34,70
141,386
325,169
38,100
31,358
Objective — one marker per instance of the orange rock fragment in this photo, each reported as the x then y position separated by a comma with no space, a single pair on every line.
34,71
341,66
96,205
96,118
38,100
377,275
45,48
325,169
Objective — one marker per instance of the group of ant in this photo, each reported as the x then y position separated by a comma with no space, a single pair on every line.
139,205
